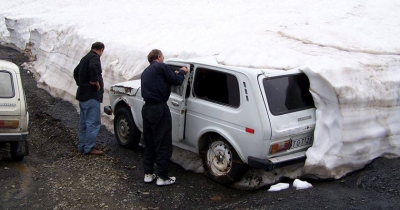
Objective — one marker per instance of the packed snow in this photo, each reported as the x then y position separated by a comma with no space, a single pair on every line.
278,187
351,49
297,183
301,185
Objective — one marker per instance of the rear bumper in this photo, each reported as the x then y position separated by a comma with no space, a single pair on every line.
276,162
13,137
20,142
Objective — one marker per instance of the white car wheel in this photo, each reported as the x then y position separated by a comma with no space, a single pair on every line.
221,161
126,132
219,158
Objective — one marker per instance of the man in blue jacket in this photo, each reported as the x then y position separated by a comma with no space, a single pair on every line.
156,82
87,75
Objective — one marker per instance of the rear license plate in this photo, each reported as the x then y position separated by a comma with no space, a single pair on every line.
302,142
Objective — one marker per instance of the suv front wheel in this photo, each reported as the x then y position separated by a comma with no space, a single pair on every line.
126,132
221,161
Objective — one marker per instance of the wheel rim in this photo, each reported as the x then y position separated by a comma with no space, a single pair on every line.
123,129
219,158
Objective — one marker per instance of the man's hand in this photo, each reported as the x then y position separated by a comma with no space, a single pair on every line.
184,69
96,84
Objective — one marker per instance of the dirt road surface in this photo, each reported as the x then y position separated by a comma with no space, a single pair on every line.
56,176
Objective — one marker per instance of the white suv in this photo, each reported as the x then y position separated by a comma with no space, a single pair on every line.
14,116
231,116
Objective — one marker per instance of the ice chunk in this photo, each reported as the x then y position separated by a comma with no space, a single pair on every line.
278,187
300,185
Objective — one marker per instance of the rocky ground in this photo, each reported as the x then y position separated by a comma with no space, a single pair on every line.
55,176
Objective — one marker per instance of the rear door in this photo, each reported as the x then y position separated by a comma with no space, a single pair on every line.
9,93
177,103
290,107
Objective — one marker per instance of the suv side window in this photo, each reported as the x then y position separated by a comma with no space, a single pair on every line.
6,85
216,86
176,89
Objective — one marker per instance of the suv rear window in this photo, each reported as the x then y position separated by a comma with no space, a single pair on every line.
288,93
6,85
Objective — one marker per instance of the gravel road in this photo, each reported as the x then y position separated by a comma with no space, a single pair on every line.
56,176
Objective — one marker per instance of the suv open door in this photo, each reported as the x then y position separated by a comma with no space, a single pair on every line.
177,103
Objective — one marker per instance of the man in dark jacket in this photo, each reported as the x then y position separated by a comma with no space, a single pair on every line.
90,91
157,80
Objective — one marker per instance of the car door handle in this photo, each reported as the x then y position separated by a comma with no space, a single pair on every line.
174,103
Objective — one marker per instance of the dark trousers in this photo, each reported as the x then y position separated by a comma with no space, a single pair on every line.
157,136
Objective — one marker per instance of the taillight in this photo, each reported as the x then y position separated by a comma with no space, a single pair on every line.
9,124
281,146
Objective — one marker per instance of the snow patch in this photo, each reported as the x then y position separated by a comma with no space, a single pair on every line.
301,185
278,187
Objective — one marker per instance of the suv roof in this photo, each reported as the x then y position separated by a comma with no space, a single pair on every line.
212,62
9,66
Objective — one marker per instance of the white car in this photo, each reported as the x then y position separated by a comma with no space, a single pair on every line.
14,116
233,117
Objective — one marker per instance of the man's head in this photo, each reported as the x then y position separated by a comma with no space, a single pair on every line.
155,55
98,47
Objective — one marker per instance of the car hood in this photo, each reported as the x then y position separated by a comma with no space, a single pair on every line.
129,87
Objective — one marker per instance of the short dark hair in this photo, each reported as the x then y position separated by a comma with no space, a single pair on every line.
153,55
98,46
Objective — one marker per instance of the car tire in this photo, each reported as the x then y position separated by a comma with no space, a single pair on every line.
126,132
13,150
221,162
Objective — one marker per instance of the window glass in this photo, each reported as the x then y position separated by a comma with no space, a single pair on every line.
176,89
288,93
217,87
6,85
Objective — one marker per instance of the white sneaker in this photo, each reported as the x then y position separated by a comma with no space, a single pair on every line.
149,178
162,182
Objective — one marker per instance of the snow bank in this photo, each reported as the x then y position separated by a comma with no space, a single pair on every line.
351,49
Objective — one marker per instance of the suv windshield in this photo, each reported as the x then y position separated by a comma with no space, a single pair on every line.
6,85
288,93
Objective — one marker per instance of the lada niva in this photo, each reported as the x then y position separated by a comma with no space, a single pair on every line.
233,117
14,116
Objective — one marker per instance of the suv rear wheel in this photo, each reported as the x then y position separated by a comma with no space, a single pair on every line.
126,132
221,161
14,151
